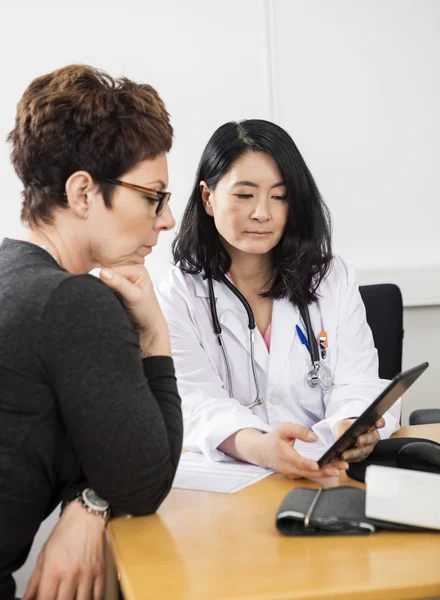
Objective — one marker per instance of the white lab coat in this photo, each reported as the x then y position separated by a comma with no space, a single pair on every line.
210,415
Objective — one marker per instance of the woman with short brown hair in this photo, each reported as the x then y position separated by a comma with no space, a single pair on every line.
89,409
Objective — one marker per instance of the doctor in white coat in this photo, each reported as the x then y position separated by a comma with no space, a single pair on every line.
256,215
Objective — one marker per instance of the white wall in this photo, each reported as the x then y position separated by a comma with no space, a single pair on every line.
355,83
358,86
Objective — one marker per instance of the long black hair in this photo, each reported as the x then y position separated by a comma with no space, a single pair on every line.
302,257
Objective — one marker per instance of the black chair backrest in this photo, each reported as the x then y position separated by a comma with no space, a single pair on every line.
383,303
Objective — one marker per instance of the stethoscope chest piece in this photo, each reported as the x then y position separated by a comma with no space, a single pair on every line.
320,375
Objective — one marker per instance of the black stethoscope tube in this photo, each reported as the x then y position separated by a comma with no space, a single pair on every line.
214,316
250,314
313,344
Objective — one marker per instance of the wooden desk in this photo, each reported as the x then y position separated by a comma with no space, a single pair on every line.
206,546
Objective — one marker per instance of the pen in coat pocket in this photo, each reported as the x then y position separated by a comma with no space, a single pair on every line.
302,337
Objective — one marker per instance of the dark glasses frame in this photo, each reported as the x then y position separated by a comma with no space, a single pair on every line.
160,197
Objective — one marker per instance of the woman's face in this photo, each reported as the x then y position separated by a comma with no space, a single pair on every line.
249,204
126,232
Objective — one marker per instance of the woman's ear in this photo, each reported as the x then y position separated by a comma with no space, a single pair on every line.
206,198
81,189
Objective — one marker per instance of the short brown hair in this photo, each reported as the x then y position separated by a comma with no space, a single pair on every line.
80,118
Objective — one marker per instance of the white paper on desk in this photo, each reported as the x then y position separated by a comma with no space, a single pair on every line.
403,496
196,472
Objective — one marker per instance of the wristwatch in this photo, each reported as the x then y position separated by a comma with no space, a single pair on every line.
94,503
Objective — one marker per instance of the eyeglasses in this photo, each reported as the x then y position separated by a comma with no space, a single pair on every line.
161,198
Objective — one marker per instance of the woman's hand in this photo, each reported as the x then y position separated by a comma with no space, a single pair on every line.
71,564
364,443
133,284
279,454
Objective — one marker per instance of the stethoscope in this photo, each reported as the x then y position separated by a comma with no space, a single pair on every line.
319,375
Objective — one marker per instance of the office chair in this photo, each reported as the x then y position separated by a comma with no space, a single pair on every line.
384,308
423,416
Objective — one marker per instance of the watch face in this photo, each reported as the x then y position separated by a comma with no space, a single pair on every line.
92,499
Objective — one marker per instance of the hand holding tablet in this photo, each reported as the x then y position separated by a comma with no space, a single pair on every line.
373,413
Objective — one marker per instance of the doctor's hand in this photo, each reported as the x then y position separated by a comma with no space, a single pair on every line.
364,444
71,563
279,454
133,284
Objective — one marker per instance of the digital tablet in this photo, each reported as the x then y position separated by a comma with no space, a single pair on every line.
377,408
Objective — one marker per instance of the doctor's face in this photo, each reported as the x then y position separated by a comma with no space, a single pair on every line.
249,204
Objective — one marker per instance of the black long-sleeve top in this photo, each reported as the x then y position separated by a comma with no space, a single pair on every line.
77,402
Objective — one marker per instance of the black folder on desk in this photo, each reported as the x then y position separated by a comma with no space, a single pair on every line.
335,511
